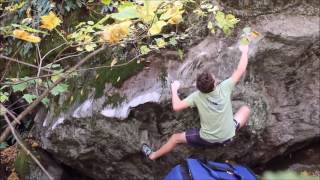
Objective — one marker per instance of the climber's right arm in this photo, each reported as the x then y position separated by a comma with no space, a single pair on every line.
242,64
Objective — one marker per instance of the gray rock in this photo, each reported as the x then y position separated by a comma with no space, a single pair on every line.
281,86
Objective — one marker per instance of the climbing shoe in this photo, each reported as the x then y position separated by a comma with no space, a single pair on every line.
146,150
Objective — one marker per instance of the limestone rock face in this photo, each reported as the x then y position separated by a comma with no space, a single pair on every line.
281,86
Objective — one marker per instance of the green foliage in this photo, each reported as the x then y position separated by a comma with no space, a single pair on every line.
84,35
248,35
59,89
210,27
147,26
226,22
20,87
27,28
144,49
126,11
244,41
21,163
287,175
173,41
106,2
4,96
45,101
161,42
29,97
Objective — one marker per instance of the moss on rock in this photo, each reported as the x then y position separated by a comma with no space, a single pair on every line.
22,163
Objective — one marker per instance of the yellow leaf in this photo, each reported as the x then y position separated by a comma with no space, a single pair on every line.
147,11
174,14
21,34
178,4
114,61
50,21
26,21
34,145
156,27
175,19
116,32
171,12
55,77
255,34
13,176
147,15
28,12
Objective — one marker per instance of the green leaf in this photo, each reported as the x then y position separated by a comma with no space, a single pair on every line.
4,96
106,2
161,42
90,47
226,22
20,87
126,13
29,97
206,6
45,101
56,75
220,18
180,52
144,49
286,175
173,41
28,80
60,88
27,28
90,22
125,4
210,25
52,65
244,41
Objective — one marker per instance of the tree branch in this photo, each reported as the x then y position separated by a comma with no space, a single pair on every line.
7,111
24,63
19,141
6,132
84,69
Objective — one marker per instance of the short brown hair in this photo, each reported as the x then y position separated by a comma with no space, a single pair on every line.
205,82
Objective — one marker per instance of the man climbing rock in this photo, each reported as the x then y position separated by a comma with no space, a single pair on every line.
213,101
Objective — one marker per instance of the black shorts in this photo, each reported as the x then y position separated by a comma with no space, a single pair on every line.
194,139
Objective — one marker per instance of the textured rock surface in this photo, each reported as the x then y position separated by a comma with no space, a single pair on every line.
281,85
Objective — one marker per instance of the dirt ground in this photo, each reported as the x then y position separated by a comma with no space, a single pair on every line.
7,158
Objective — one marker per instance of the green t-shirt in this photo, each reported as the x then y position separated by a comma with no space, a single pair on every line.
215,110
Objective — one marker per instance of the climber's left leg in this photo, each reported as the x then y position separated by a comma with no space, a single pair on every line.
175,139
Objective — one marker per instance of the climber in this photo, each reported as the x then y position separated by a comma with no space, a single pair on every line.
213,101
